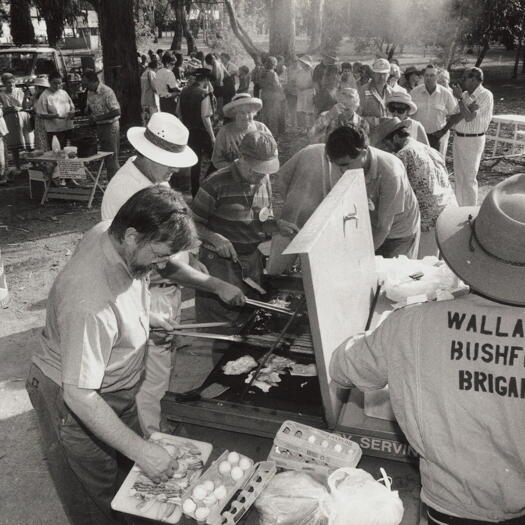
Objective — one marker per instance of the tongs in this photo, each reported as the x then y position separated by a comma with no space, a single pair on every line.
178,327
268,306
261,341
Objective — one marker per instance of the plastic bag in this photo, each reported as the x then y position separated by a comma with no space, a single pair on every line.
292,498
356,498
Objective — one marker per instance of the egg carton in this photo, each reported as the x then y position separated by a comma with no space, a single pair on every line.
212,474
300,447
262,475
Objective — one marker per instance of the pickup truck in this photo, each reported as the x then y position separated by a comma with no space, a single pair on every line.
28,62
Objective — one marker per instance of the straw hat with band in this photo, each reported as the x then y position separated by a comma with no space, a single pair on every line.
386,127
398,97
259,151
164,140
40,82
381,65
329,57
484,245
242,99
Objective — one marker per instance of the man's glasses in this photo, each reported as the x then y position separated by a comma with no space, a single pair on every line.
397,109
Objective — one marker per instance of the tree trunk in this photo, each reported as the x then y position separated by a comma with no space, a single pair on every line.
119,49
22,30
316,25
240,33
452,47
282,29
482,52
519,48
181,27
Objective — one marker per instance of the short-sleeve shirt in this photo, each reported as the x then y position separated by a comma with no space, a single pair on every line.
165,79
102,101
390,195
97,319
55,103
455,371
433,108
228,204
373,104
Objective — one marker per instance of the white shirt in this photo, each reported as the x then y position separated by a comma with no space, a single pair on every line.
433,109
125,183
164,79
55,103
484,99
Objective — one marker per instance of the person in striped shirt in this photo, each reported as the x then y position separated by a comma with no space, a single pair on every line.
476,105
233,214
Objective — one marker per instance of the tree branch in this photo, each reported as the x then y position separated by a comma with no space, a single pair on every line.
240,32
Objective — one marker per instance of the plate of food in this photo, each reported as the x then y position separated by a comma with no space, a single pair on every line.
140,496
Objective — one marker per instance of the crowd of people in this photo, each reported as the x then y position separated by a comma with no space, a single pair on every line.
221,122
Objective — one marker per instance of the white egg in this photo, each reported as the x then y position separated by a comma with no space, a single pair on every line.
245,463
311,439
233,458
208,485
189,506
199,492
338,448
237,473
324,444
210,500
202,513
220,492
224,467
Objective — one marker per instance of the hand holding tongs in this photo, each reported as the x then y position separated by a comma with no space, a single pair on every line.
268,306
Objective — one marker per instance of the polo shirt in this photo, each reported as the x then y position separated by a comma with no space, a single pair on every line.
97,320
165,79
457,387
55,103
228,204
480,123
102,101
433,109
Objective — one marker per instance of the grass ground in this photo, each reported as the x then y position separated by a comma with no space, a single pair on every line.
36,242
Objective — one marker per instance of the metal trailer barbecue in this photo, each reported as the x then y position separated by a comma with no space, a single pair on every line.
334,299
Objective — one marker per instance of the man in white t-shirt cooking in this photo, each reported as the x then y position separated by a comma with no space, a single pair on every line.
161,149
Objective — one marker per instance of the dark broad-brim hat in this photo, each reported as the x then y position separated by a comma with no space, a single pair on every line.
203,73
242,99
259,150
410,70
484,245
386,127
331,58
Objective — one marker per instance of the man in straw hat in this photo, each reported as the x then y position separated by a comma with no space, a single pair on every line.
374,94
85,375
455,368
233,213
161,150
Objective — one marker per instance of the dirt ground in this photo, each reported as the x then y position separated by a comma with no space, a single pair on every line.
36,241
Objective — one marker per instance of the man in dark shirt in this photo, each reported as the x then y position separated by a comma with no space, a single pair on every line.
196,111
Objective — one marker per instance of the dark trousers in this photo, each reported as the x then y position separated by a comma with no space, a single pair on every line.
438,518
200,142
168,105
109,140
62,136
86,472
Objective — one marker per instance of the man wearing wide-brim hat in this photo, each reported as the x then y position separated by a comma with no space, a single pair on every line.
374,94
455,368
241,111
327,59
161,149
233,214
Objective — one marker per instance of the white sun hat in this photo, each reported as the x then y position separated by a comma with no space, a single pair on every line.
164,140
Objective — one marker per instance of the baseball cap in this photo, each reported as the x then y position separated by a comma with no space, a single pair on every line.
259,150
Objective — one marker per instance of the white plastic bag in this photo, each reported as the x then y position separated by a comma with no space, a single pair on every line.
291,498
356,498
